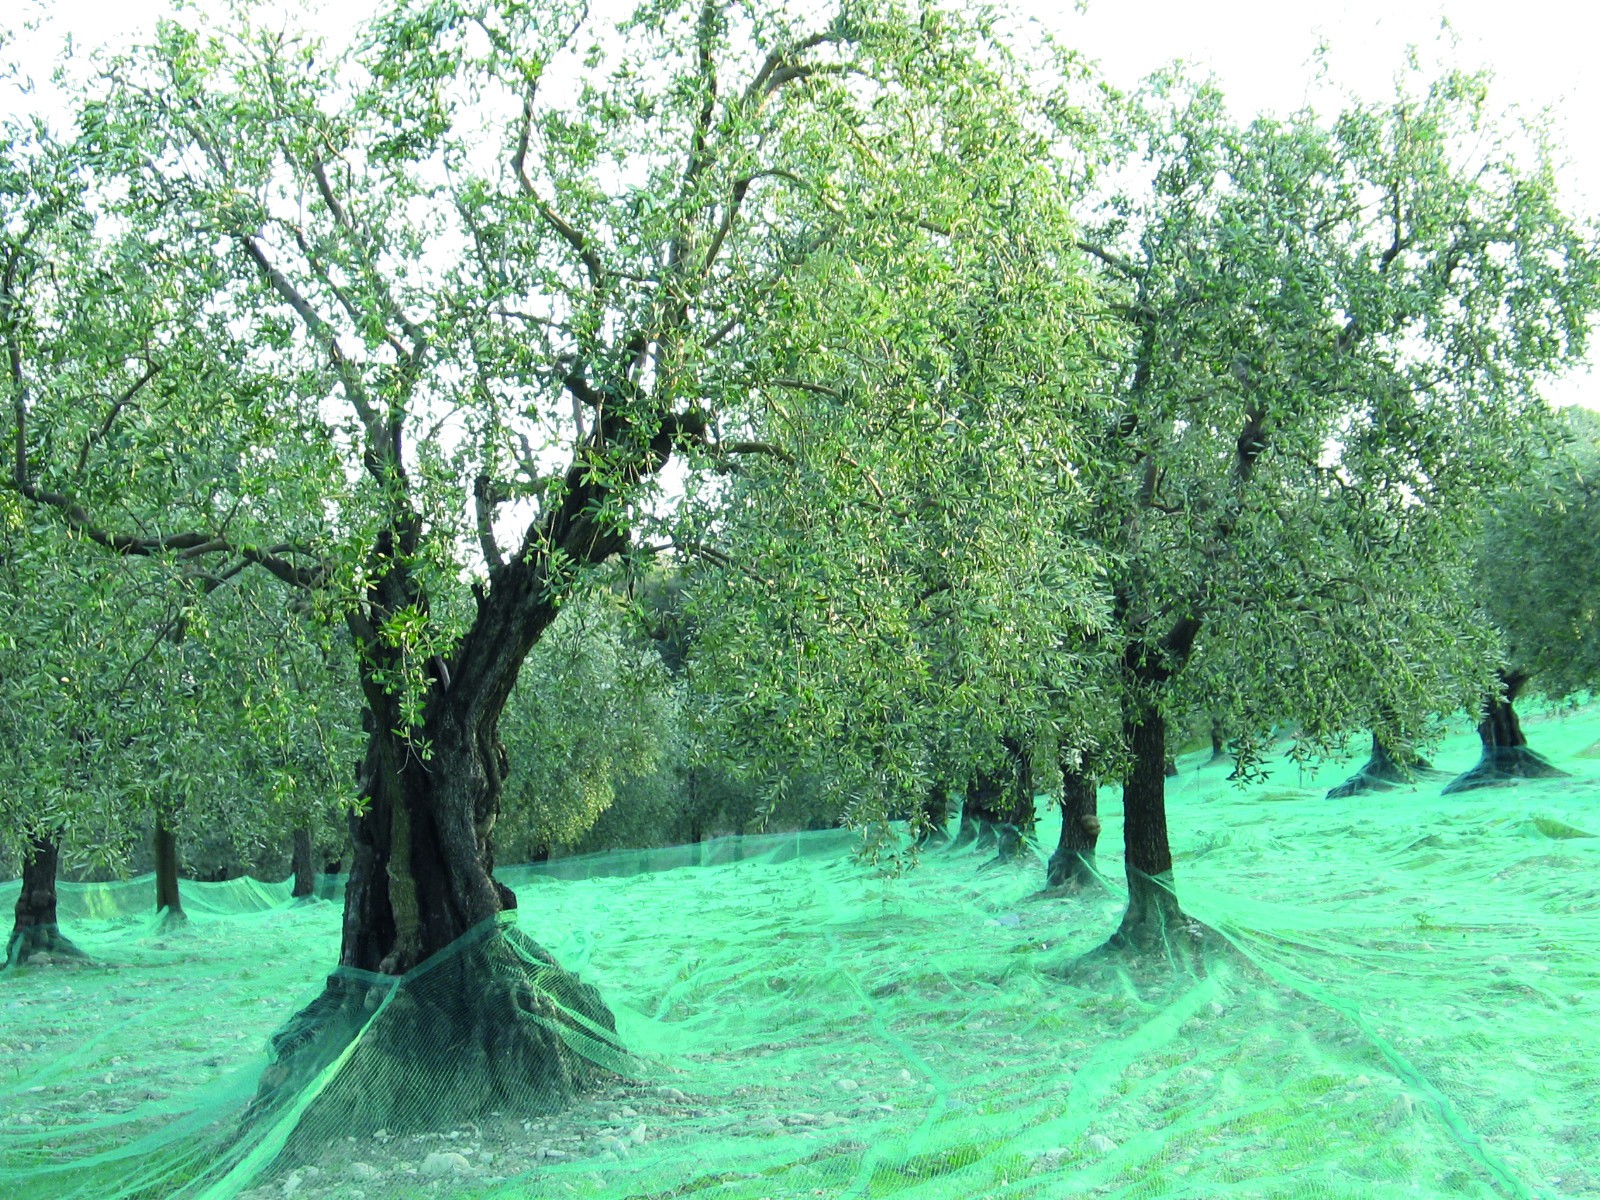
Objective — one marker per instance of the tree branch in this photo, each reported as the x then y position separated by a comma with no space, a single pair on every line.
519,164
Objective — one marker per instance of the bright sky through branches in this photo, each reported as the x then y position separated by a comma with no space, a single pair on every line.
1540,51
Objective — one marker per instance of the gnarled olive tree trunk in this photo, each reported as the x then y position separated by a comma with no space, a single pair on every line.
1384,770
1506,754
1073,865
1152,913
469,1016
34,929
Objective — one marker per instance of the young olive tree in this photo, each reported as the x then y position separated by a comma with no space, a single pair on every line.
1334,330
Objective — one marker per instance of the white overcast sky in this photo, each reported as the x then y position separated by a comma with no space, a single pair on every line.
1541,52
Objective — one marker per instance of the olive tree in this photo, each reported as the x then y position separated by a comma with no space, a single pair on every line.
1537,577
1334,327
412,327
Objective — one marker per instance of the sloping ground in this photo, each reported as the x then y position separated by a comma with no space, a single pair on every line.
1407,1003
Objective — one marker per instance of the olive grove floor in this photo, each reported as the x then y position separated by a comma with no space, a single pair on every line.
1405,1001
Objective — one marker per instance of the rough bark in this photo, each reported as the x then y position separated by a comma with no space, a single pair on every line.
1506,754
169,904
422,906
305,880
35,934
1072,865
1153,919
1384,771
1153,916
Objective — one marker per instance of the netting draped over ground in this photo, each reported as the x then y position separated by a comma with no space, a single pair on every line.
1405,1001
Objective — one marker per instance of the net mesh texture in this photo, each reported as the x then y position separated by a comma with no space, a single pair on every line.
1404,1000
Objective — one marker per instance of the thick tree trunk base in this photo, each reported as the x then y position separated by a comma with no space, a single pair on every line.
1504,764
1072,872
974,832
1155,926
1011,846
1384,772
41,946
491,1024
36,939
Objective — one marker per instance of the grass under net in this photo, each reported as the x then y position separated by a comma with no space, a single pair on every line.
1403,999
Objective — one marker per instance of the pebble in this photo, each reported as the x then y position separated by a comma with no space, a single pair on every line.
291,1185
846,1085
363,1170
671,1093
1400,1112
1101,1144
445,1162
636,1134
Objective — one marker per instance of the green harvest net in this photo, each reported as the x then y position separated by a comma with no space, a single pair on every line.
1405,1001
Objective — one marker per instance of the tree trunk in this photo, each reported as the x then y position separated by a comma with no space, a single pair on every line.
305,882
470,1016
1020,821
34,931
1219,740
935,814
1384,771
169,904
999,808
1153,919
982,810
1506,755
1073,865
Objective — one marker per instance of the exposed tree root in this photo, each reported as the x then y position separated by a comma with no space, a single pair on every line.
39,945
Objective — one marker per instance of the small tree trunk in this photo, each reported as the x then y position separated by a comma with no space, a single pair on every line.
935,814
168,902
34,930
305,882
1072,865
1019,821
1153,919
1219,740
982,810
1506,755
1384,771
